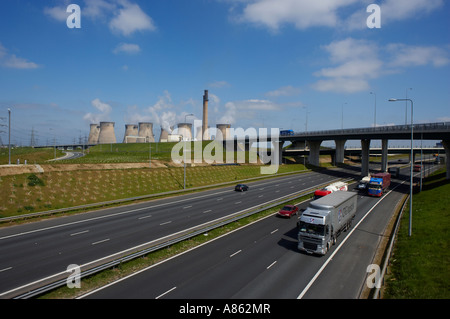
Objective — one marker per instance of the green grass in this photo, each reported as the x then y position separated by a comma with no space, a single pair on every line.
31,155
421,263
25,193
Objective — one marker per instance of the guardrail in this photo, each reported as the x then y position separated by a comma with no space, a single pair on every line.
59,280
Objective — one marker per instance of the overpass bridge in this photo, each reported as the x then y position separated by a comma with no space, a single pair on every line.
313,139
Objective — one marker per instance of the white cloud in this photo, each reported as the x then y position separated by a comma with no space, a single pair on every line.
357,61
128,48
130,18
393,10
405,55
125,18
219,84
284,91
11,61
104,108
301,13
58,13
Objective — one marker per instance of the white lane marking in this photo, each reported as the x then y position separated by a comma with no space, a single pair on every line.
186,207
79,233
143,217
165,223
165,292
236,253
207,211
274,231
271,264
238,202
5,269
100,241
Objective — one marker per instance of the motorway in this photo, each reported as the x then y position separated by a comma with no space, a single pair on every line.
34,251
261,261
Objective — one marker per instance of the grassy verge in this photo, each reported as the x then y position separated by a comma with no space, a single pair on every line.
30,154
54,190
420,267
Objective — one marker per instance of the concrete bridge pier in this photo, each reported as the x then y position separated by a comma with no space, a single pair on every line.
365,151
384,155
446,145
314,152
340,151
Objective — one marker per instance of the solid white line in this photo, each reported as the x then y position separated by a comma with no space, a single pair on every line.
165,293
165,223
271,264
101,241
79,233
339,247
235,253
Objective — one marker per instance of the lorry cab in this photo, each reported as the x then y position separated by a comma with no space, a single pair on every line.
324,219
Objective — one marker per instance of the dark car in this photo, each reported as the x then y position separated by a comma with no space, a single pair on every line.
241,187
362,186
288,211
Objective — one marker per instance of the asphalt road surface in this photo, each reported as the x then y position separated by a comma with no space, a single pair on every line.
262,261
34,251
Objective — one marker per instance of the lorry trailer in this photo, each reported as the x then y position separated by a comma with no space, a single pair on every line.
324,219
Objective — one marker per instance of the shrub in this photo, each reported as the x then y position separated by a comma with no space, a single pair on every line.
33,180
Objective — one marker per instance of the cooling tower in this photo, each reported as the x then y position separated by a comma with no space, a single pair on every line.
131,131
224,129
146,130
185,129
93,134
164,136
205,133
106,135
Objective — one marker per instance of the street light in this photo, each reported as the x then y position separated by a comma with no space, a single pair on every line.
411,164
184,152
375,113
9,137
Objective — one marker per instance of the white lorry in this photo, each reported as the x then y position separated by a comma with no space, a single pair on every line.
338,186
324,219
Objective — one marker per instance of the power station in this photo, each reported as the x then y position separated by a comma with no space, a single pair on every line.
103,133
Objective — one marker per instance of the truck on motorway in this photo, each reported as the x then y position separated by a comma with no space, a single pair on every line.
362,185
338,186
324,219
378,184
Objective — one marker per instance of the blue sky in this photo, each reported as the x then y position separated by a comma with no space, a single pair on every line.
265,63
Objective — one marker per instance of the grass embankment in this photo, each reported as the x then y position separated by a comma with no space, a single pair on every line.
30,154
62,189
420,267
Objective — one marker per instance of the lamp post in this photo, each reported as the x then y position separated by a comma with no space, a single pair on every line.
184,152
9,137
412,163
342,116
375,113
